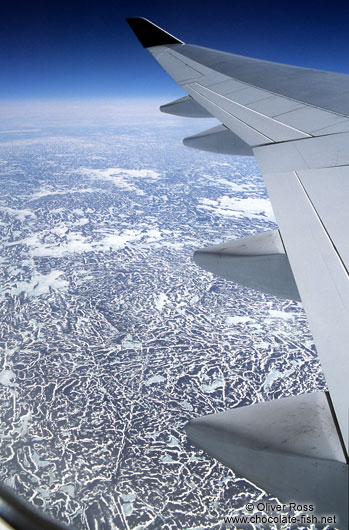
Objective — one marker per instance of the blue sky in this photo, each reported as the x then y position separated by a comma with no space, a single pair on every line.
82,49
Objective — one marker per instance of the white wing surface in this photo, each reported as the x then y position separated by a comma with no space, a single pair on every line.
295,121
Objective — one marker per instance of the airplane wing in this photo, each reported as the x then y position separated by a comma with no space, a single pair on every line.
295,121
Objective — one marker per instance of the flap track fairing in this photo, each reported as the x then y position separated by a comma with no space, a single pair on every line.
258,262
186,107
219,140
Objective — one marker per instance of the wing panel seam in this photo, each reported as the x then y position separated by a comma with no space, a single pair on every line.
253,111
322,224
234,117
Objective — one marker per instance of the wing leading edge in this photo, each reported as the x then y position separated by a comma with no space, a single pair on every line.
296,123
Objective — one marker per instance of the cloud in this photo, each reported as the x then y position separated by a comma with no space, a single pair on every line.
120,177
18,214
230,206
39,284
45,192
134,173
225,182
76,243
161,301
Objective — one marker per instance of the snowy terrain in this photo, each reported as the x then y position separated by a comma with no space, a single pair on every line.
112,338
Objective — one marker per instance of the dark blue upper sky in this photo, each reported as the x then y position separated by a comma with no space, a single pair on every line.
84,49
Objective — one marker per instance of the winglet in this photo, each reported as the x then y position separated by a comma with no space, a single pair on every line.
149,34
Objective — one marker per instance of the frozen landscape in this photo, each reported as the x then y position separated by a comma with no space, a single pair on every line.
112,338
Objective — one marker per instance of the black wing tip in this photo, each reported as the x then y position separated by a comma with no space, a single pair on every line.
149,34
